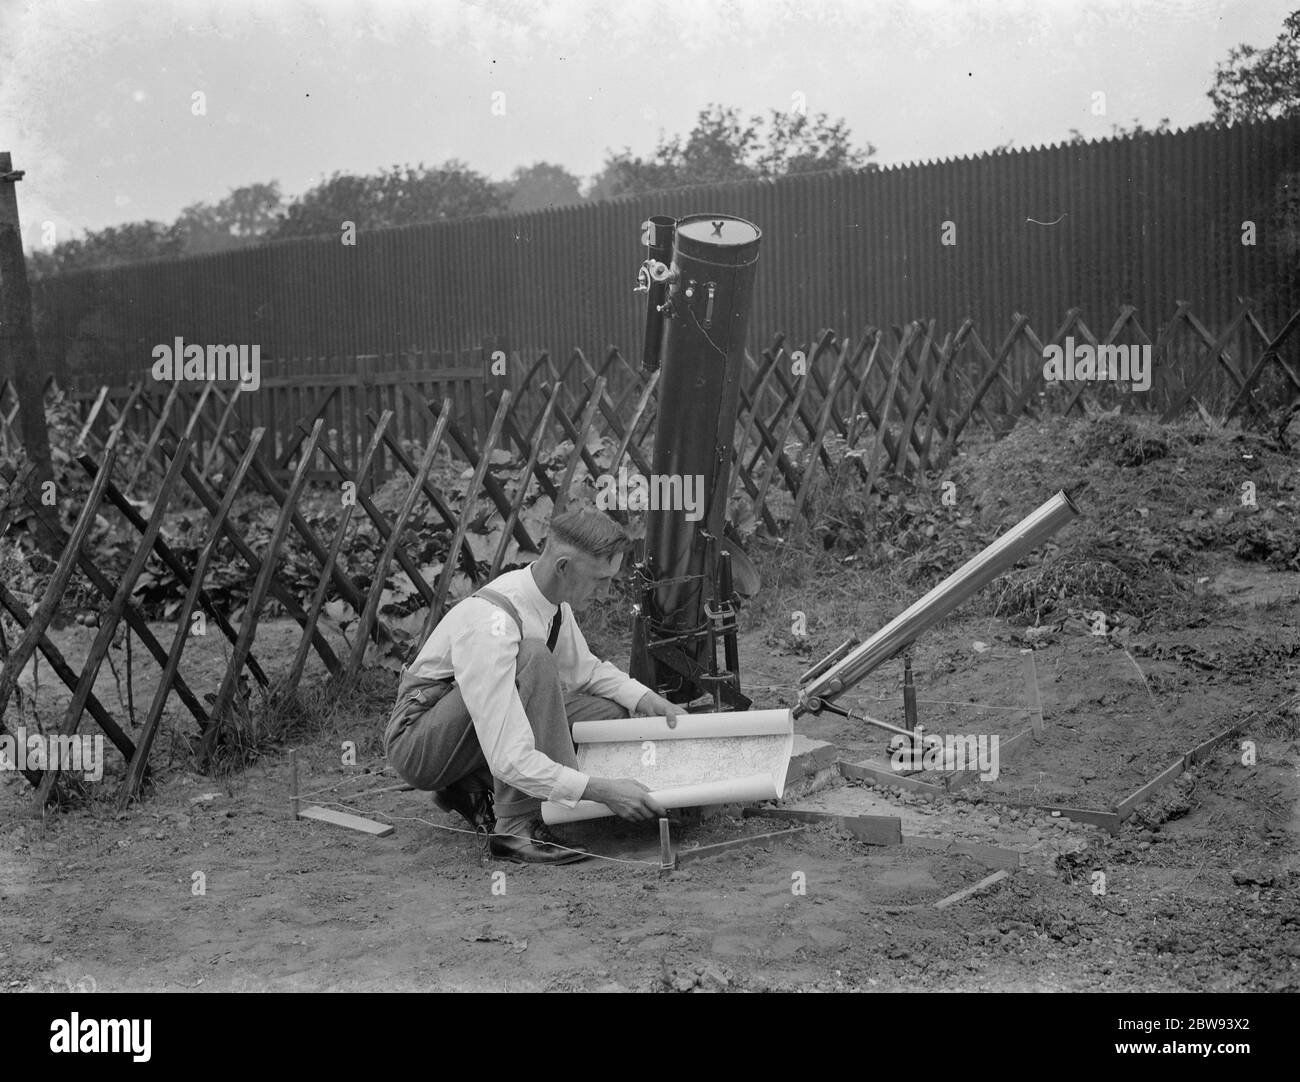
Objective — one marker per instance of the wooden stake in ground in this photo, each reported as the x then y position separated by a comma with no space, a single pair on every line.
17,340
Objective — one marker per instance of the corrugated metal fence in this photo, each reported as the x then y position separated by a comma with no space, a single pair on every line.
1145,221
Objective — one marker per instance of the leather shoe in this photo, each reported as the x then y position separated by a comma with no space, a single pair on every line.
542,847
474,805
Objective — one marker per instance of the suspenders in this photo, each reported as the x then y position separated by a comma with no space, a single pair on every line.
502,602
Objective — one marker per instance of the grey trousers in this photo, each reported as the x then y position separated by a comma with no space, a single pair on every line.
440,747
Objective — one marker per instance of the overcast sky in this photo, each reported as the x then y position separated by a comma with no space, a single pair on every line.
96,95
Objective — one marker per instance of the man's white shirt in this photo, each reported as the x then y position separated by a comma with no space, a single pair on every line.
477,643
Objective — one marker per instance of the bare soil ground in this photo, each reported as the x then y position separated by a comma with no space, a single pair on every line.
1202,885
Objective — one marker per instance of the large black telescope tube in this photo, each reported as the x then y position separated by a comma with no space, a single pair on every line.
710,294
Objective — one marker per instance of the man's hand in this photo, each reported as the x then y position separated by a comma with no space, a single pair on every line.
625,797
652,706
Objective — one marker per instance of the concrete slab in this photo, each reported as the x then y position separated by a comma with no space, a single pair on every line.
812,767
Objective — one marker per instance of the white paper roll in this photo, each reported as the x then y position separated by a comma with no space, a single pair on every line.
730,791
689,727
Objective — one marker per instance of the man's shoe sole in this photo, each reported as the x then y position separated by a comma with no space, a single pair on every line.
566,856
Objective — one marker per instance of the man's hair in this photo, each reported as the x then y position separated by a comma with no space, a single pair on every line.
591,532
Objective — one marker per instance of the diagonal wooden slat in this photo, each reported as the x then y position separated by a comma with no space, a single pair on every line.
647,392
139,762
294,438
1018,323
108,622
323,582
1270,353
146,459
257,596
468,564
342,582
511,429
580,447
385,529
615,425
466,509
886,404
49,604
490,483
169,558
1214,356
521,492
1126,313
751,402
860,400
204,395
214,444
937,403
579,436
91,417
828,407
58,663
795,411
278,590
371,612
1034,379
908,432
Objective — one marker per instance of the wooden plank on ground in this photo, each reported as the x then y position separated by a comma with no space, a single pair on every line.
882,776
992,856
1206,746
1104,819
684,856
343,819
1129,804
974,888
872,829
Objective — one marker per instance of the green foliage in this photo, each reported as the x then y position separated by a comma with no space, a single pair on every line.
244,217
723,147
402,195
109,247
1259,84
539,186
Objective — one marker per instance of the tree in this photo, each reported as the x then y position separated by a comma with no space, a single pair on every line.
1259,84
538,186
795,145
109,247
246,216
722,147
401,196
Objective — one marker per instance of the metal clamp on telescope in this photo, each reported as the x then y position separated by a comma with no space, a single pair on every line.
849,663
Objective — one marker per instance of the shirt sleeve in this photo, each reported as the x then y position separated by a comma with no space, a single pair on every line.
484,653
582,671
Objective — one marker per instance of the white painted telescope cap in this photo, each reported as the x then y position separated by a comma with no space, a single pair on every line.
718,229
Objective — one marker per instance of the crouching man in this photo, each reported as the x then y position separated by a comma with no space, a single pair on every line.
484,711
